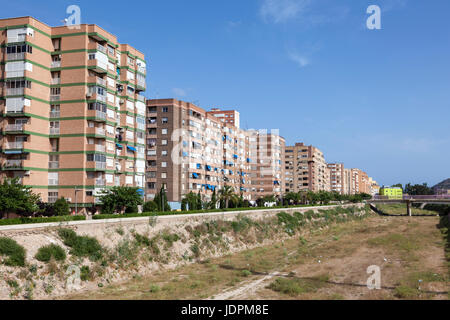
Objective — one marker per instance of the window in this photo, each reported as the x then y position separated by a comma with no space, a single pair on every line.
164,131
163,164
164,175
165,120
164,142
164,153
89,193
165,109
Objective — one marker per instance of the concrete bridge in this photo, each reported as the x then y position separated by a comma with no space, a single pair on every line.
410,200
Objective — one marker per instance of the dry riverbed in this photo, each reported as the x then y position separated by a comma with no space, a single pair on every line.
324,264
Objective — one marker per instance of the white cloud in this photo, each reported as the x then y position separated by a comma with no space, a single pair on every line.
301,60
279,11
179,92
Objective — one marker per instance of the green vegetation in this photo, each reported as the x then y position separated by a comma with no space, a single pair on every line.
296,286
46,253
120,199
81,246
400,209
24,220
15,253
15,198
61,207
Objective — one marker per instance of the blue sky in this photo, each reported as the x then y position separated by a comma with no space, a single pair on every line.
378,100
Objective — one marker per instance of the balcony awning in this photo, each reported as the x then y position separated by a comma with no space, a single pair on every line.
199,166
248,160
195,175
131,148
12,151
208,168
235,156
119,146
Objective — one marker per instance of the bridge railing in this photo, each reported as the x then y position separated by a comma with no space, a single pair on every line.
407,197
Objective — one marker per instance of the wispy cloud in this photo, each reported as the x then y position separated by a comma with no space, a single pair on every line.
234,24
279,11
301,60
179,92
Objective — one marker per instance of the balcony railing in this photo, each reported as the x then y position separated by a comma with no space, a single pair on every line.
100,148
140,141
55,114
15,56
100,182
19,38
14,145
15,91
53,182
14,127
11,164
100,165
101,48
101,98
142,69
101,81
100,115
100,131
56,80
54,131
55,97
14,110
53,165
56,64
141,98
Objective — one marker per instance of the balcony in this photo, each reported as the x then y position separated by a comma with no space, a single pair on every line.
100,148
55,114
54,131
100,81
100,182
55,64
15,91
100,116
55,97
101,48
14,145
53,182
141,98
53,165
14,128
100,131
56,80
15,56
98,66
13,165
17,38
100,166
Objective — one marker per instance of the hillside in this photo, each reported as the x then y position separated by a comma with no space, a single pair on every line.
443,185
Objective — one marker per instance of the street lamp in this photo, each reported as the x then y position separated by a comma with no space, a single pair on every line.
76,202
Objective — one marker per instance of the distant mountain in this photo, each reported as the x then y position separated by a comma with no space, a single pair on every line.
443,185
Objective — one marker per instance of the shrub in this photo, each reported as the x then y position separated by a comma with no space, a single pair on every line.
46,253
81,246
61,207
150,206
14,252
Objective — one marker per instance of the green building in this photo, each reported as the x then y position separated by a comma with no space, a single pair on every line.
392,193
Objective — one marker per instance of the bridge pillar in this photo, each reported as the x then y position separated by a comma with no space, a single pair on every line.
408,208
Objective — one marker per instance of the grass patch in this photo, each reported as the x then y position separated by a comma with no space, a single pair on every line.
9,222
296,286
14,252
46,253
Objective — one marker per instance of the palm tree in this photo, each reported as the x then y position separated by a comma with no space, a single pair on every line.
227,194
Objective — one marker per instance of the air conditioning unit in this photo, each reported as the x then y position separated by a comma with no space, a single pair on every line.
121,101
88,95
27,173
69,199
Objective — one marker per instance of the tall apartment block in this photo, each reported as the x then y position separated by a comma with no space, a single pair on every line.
231,117
267,154
357,181
192,150
306,169
73,121
337,177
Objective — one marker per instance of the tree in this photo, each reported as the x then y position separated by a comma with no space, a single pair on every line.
161,201
120,199
190,201
16,198
213,203
293,197
418,189
226,195
61,207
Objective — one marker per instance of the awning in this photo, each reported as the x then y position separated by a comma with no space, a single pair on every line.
195,175
208,168
131,148
119,146
248,160
199,166
13,152
235,156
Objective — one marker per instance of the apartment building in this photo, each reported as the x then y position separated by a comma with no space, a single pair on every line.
192,150
73,118
267,159
357,181
337,177
231,117
306,169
